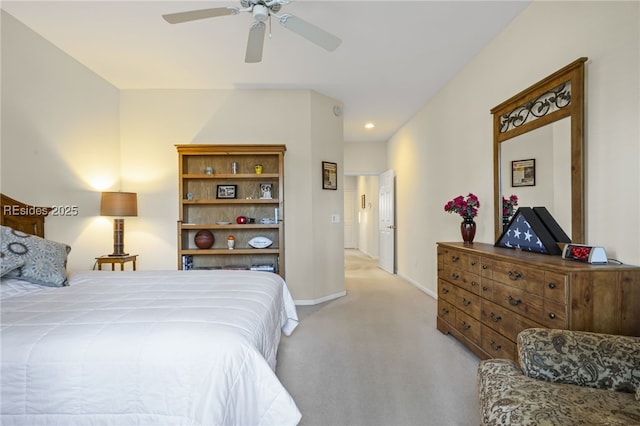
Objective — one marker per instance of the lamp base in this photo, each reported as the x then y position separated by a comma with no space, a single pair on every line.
118,238
118,254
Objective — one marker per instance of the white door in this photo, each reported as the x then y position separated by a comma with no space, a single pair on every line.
387,224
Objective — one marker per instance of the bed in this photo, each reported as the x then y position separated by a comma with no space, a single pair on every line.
144,348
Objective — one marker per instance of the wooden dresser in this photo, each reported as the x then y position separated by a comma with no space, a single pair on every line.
487,295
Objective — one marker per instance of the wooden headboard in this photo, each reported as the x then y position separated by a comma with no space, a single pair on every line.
23,217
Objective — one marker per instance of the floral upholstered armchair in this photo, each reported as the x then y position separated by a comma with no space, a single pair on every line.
565,378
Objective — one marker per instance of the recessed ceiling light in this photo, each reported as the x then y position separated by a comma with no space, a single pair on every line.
369,126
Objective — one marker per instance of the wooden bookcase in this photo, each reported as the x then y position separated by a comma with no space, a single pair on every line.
202,169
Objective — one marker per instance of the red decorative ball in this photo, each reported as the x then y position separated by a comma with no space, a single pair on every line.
241,220
204,239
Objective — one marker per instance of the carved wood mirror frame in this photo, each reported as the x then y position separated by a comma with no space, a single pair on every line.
558,96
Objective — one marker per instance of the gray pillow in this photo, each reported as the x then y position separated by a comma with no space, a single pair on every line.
9,264
45,261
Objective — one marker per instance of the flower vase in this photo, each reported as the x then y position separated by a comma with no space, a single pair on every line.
505,223
468,230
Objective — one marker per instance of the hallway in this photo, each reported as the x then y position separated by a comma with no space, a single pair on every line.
374,357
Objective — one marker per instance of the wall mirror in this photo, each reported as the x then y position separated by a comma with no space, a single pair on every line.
543,123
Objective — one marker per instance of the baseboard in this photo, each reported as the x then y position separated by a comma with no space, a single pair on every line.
368,254
307,302
418,286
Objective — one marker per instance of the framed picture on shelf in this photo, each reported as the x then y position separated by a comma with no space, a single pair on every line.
226,191
329,175
523,173
265,191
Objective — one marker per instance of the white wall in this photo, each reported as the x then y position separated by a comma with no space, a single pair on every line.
67,135
365,158
446,149
153,121
368,235
60,139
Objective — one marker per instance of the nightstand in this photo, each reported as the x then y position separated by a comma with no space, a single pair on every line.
116,259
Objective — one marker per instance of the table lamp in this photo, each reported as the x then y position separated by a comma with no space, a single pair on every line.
118,204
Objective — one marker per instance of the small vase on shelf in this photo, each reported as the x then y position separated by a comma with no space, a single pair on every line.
468,230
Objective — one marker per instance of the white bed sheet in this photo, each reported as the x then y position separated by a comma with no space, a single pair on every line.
148,348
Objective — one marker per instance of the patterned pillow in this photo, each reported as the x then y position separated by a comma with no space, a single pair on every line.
45,261
9,264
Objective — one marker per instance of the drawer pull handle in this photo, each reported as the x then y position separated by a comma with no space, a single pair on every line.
466,302
495,318
485,267
552,315
455,258
473,283
445,311
514,302
485,288
473,263
514,275
445,290
455,276
465,325
494,345
552,285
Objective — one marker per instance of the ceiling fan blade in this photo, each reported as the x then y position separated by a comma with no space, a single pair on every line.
192,15
255,42
309,31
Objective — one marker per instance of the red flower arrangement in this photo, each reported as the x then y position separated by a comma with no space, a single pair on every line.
467,208
508,206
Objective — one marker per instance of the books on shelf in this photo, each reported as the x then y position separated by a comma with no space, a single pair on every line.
236,267
267,267
187,265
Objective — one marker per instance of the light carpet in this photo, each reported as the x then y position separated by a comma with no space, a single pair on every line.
375,357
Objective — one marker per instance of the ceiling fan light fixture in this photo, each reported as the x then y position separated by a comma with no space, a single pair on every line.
260,12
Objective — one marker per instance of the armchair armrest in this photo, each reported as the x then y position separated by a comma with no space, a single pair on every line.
602,361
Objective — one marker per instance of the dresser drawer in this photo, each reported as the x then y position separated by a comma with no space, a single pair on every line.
522,323
498,318
525,304
454,259
471,282
486,288
555,314
468,326
468,303
463,279
486,268
526,278
446,311
555,287
472,264
453,275
446,291
496,345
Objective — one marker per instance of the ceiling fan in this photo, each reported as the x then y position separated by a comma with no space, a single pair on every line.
261,11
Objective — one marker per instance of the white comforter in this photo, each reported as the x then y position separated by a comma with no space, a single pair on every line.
147,348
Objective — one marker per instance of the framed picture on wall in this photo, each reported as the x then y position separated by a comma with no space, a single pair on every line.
523,173
329,175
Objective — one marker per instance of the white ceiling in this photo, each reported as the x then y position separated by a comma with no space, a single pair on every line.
395,55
